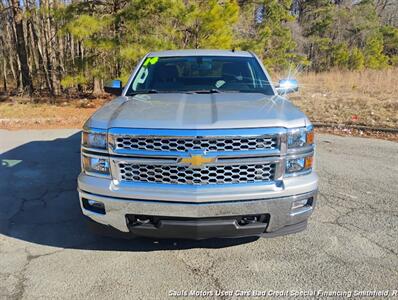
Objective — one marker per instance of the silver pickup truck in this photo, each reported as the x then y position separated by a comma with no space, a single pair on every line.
198,144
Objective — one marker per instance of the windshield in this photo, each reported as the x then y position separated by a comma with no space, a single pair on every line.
200,74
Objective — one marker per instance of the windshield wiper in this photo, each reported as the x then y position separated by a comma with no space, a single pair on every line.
151,91
212,91
204,91
256,92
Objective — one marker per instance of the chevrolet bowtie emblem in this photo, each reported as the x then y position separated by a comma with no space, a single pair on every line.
197,161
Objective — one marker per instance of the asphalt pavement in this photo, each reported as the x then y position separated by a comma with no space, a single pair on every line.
46,251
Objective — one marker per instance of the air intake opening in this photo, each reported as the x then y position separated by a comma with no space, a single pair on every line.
137,220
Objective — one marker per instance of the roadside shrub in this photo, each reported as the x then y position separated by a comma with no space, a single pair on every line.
374,57
341,55
73,80
356,60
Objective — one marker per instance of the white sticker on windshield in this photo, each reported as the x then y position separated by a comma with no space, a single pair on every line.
220,83
141,76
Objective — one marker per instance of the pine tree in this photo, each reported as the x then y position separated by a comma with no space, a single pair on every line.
336,33
390,43
267,34
208,24
374,57
86,42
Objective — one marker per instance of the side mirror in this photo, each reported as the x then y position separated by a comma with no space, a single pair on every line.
114,87
287,86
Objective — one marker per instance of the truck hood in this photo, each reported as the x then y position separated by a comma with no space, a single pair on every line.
198,111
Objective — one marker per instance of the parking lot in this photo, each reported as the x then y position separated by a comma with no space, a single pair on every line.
351,243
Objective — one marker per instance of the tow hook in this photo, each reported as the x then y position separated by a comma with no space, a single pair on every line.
137,221
248,220
141,221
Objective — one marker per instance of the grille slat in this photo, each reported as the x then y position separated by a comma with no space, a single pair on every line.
212,174
206,144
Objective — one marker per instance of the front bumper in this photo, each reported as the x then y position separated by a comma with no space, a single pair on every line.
201,213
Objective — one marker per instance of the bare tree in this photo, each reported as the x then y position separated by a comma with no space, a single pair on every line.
26,79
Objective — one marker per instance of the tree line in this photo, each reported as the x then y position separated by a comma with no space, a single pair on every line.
54,47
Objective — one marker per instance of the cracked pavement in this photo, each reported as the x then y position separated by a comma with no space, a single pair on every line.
46,251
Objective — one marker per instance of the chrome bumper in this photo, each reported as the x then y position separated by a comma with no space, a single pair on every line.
275,200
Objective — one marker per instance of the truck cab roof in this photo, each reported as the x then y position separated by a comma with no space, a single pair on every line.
200,52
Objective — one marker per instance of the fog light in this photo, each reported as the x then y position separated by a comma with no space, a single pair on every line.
94,206
302,203
299,203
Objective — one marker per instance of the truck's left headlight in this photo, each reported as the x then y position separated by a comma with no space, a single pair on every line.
94,138
300,137
96,165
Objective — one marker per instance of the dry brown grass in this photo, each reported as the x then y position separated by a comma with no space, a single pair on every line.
15,115
363,98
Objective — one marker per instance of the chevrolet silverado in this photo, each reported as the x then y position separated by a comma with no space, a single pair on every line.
198,144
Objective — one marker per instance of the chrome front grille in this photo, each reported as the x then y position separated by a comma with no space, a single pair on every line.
186,144
211,174
194,157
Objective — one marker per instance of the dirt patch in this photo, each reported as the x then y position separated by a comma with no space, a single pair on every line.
342,131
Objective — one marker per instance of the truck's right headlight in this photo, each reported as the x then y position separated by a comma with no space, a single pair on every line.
300,165
96,165
300,137
94,138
